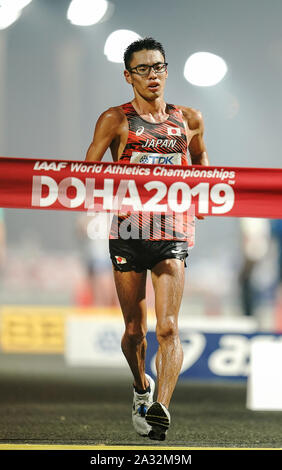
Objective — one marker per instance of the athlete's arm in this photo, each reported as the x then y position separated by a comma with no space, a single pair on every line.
107,130
197,148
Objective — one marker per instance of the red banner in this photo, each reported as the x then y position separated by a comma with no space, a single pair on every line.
103,186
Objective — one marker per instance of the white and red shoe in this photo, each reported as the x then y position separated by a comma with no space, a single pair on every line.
141,403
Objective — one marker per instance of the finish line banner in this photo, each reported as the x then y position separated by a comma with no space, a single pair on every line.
103,186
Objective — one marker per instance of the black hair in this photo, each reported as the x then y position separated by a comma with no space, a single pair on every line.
147,43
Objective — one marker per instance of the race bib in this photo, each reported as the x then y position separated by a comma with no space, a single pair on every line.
156,158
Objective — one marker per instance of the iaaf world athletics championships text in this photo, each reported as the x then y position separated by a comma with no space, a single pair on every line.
221,174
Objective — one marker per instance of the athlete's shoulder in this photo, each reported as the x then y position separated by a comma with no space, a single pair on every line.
111,121
193,117
113,114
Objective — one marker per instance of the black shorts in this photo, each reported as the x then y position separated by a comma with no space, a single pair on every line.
140,255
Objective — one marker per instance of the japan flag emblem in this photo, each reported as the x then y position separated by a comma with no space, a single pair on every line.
174,131
120,260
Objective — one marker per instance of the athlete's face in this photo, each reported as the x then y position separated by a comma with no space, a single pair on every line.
149,86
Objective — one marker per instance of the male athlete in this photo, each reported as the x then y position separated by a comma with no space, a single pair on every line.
143,131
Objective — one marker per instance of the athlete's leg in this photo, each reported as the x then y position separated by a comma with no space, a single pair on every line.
168,281
131,291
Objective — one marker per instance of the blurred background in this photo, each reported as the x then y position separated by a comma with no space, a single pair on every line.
55,81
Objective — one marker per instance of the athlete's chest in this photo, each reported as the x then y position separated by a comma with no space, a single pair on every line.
163,136
153,142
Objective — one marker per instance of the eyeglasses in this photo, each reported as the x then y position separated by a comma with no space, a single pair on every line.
144,69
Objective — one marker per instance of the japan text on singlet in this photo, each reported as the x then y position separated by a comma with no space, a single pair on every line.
163,143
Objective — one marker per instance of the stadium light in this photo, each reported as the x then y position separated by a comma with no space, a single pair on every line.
10,11
8,16
117,42
87,12
15,4
204,69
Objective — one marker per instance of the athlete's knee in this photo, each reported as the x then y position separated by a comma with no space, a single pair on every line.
166,329
171,266
135,332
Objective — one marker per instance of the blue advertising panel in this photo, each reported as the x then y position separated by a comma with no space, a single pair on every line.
212,355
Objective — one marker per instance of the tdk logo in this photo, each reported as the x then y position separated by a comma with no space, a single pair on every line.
165,160
144,159
156,158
